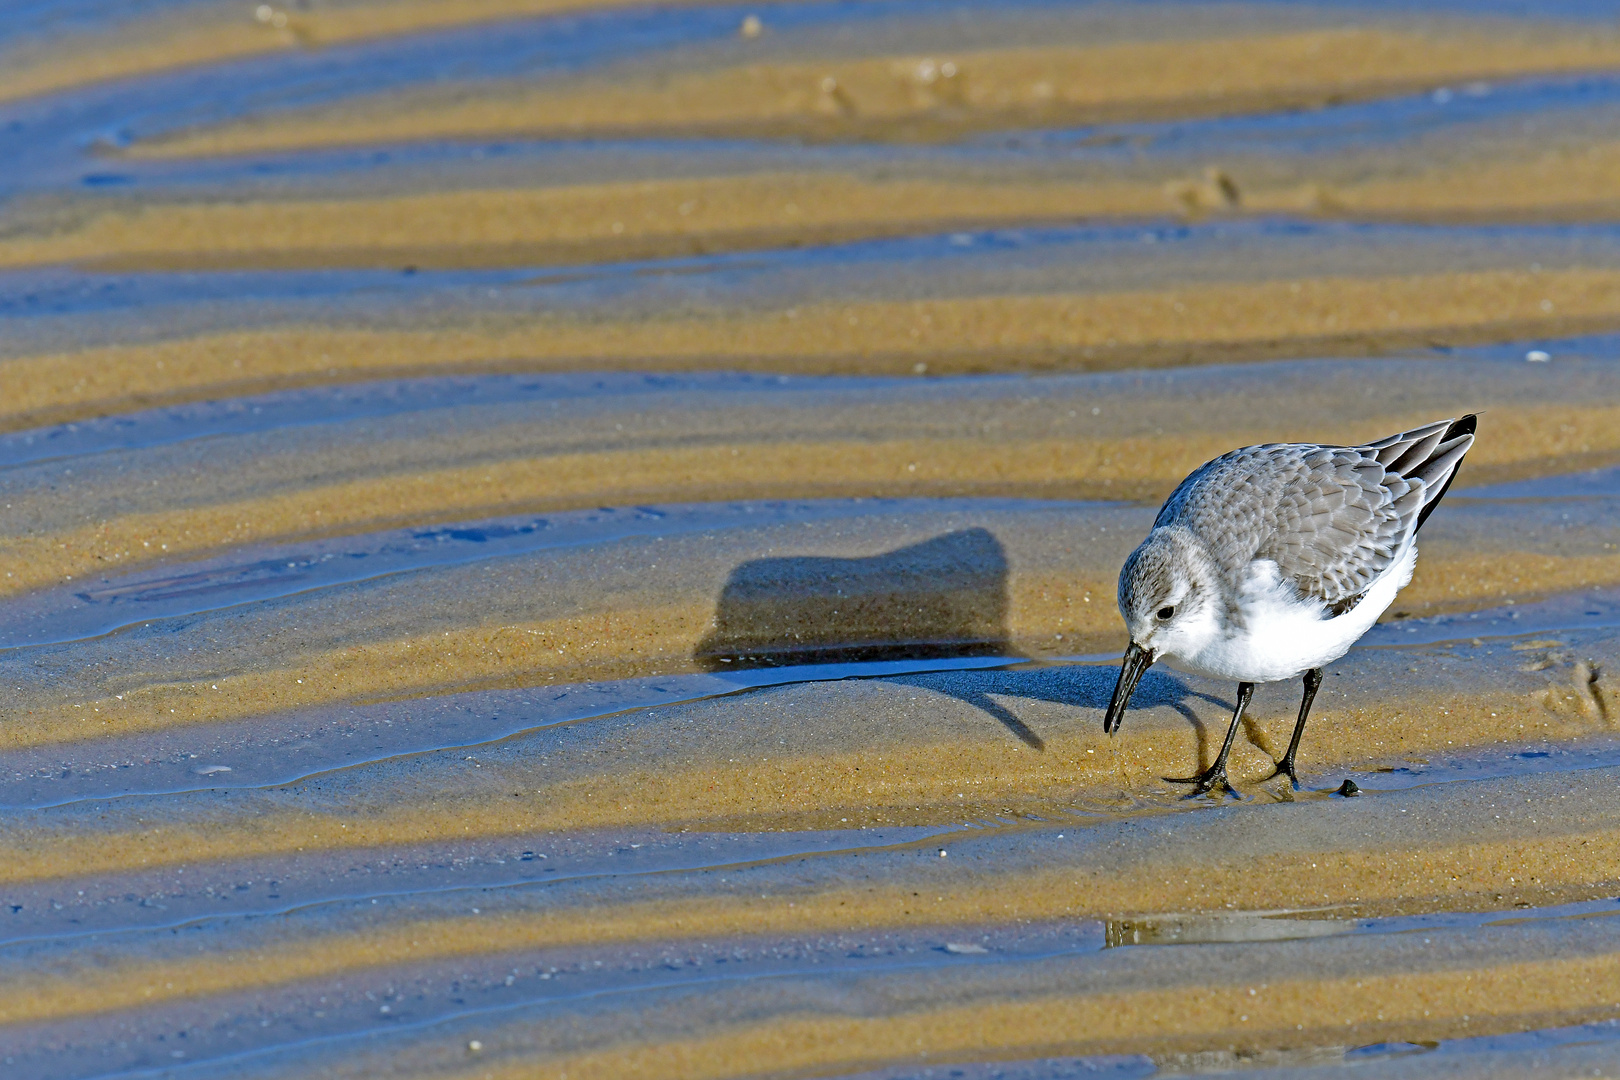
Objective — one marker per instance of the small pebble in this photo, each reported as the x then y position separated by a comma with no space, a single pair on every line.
475,1046
751,27
1348,788
1536,356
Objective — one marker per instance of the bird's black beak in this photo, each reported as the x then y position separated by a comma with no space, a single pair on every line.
1137,660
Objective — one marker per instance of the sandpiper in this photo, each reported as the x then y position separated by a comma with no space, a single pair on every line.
1271,561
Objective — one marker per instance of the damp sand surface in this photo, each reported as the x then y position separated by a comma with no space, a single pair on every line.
653,593
957,335
1345,911
1530,145
580,539
109,43
1158,70
276,470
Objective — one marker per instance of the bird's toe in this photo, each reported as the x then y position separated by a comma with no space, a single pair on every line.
1282,768
1206,782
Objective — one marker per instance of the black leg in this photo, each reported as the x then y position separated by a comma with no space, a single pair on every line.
1215,776
1313,682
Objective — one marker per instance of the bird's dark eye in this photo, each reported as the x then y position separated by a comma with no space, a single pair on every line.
1166,612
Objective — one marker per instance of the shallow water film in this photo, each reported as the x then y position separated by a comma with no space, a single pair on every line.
577,539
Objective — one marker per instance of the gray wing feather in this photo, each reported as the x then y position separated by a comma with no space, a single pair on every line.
1332,517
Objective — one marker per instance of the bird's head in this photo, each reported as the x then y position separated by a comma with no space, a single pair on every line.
1168,594
1169,597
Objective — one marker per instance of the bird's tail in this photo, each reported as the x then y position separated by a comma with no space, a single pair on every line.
1431,454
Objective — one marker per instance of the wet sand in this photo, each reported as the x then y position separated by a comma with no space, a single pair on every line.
933,750
659,219
1480,168
792,443
563,538
1289,855
646,605
1198,323
613,609
210,33
946,95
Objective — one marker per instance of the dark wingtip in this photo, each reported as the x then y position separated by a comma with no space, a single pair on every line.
1463,425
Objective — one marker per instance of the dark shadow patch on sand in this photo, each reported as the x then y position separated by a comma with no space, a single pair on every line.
1082,686
944,597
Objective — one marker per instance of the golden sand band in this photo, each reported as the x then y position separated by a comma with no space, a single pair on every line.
1439,873
1048,616
581,222
1332,1011
941,95
595,222
389,842
1234,71
1534,440
1180,324
220,32
934,759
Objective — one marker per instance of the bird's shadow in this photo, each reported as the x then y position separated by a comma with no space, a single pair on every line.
943,597
940,598
1080,685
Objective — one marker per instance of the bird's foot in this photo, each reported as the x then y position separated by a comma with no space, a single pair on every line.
1209,780
1285,767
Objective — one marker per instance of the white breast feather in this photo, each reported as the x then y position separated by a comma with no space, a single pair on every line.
1283,636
